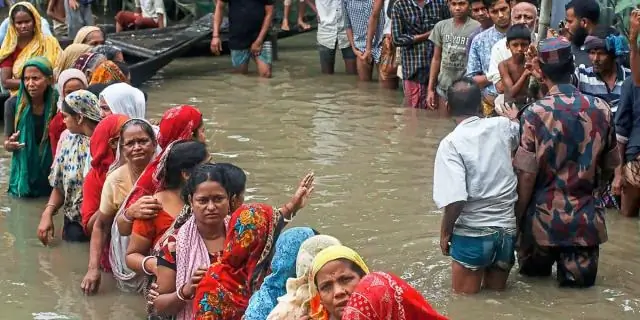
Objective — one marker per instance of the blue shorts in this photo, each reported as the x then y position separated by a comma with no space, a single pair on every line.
493,249
242,57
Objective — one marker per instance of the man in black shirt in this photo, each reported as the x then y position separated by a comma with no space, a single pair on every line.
582,16
249,24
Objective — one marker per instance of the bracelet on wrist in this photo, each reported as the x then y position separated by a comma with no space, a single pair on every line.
125,218
144,261
181,296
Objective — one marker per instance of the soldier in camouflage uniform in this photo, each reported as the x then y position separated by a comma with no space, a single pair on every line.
566,140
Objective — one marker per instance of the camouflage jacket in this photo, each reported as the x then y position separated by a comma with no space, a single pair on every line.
566,139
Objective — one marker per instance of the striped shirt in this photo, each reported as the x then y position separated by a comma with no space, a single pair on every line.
357,14
589,82
409,19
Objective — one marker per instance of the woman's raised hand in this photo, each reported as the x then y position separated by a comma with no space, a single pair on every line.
12,143
301,197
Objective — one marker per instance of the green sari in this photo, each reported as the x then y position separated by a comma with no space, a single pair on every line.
30,166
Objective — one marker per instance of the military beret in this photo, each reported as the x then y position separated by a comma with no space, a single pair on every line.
554,51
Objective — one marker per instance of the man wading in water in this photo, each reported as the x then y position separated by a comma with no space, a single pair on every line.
474,181
249,23
567,138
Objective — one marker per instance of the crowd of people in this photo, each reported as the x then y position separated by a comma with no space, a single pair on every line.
557,123
158,214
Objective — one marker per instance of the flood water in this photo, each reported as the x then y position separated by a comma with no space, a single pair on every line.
373,161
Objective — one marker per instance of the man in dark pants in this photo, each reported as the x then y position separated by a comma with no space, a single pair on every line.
567,139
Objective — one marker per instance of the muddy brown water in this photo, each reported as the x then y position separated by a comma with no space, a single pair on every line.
374,165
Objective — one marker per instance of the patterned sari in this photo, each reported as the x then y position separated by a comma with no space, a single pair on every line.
383,296
224,292
107,72
283,267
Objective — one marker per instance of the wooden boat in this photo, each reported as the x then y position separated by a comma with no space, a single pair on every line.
139,45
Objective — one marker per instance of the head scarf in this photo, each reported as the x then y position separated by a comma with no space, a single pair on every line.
325,256
107,71
224,291
83,33
383,296
64,77
108,51
122,98
283,267
30,166
40,45
179,123
102,156
84,103
295,303
88,62
69,56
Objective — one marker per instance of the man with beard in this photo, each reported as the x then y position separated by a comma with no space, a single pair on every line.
605,77
480,51
582,16
566,140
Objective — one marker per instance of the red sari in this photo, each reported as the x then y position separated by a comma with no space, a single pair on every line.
383,296
224,292
102,156
178,123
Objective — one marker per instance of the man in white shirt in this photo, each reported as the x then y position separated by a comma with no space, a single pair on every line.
148,14
332,35
522,13
475,183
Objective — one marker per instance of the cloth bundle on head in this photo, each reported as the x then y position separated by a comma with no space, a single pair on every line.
325,256
107,71
122,98
295,303
283,267
383,296
40,46
224,291
616,45
85,104
108,51
30,165
69,56
102,156
84,32
88,62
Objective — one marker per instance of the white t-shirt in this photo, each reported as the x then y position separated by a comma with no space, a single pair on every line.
473,164
332,28
151,9
387,21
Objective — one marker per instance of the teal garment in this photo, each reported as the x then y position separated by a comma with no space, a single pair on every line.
283,267
30,166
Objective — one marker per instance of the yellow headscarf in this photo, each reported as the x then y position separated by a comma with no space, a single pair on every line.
325,256
82,34
40,45
68,56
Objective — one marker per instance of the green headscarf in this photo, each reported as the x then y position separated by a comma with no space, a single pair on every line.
30,166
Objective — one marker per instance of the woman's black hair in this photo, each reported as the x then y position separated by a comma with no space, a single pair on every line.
183,156
315,232
236,177
518,32
203,173
97,88
123,67
146,127
21,8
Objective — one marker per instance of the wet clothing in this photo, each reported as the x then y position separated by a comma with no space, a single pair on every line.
242,57
577,266
245,22
567,139
479,248
628,119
